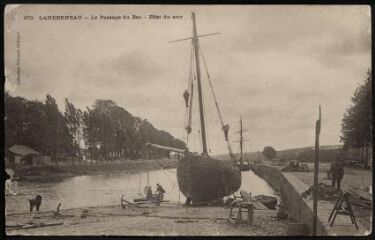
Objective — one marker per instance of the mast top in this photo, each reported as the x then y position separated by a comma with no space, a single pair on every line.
196,36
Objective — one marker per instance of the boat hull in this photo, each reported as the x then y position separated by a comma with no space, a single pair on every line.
204,179
269,202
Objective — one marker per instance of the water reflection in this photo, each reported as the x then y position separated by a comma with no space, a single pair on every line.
106,189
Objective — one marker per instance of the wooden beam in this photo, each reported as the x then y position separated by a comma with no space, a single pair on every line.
316,173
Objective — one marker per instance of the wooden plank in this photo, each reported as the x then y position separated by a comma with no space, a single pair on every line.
362,194
37,225
15,225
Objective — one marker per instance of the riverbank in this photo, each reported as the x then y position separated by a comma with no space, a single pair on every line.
51,173
293,184
168,219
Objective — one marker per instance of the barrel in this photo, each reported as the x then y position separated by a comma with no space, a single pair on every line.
297,229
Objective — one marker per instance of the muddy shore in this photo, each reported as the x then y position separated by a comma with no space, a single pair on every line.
168,219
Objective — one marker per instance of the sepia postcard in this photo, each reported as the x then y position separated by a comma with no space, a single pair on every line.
188,120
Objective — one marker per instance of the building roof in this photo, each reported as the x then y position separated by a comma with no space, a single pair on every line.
22,150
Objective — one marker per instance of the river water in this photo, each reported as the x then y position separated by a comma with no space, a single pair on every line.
106,189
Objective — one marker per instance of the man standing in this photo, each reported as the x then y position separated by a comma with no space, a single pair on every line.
337,171
148,192
160,194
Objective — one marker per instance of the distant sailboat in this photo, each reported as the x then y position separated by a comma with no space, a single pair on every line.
244,166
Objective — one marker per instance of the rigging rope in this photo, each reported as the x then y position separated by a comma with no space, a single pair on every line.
172,183
179,196
191,103
216,104
191,90
196,118
191,107
157,176
199,128
139,182
187,136
148,178
205,118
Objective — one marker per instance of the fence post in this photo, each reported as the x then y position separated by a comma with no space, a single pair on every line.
316,173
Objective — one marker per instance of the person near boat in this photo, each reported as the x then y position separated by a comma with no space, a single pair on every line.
186,97
226,130
159,193
148,192
188,129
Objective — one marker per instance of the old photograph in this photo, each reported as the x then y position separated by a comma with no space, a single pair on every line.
188,120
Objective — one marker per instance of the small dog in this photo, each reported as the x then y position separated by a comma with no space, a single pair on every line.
37,201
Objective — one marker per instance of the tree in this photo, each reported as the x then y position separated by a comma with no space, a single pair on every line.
73,118
34,132
91,131
44,128
58,138
269,152
356,126
14,121
37,125
120,134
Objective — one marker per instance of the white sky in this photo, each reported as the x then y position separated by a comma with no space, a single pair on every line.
271,64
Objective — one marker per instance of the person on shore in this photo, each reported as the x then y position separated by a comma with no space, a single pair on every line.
37,201
188,201
337,172
160,194
148,192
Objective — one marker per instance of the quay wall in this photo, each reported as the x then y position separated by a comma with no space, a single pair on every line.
290,189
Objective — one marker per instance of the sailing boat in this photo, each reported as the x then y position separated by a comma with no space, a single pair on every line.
200,177
241,164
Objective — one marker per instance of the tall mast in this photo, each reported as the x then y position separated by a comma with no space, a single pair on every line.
196,49
241,139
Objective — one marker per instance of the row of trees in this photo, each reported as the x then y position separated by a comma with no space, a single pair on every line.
357,122
106,131
38,125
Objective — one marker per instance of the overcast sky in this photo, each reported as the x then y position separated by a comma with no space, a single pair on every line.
273,65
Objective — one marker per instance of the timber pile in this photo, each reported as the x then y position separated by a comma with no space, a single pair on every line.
356,196
325,192
360,198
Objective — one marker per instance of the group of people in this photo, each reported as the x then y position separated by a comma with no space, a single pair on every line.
159,193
